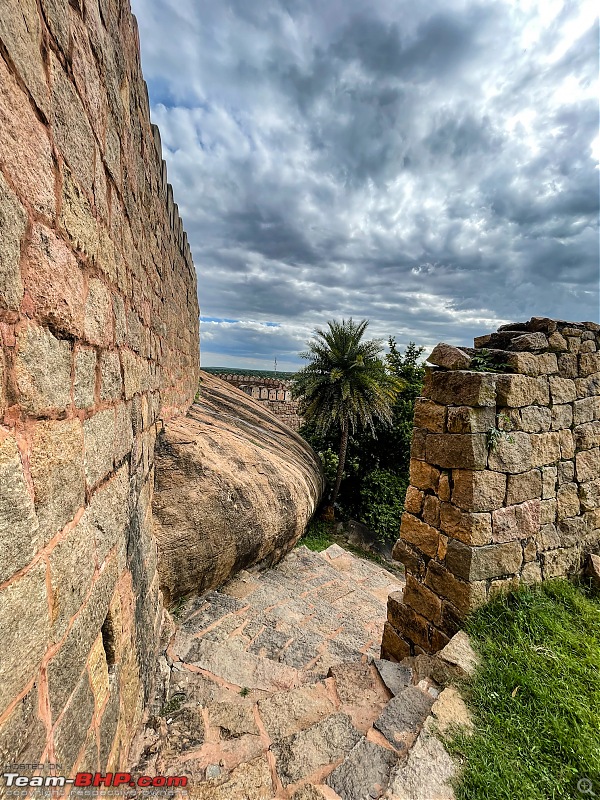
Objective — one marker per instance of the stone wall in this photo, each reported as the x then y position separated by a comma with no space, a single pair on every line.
504,475
99,335
274,394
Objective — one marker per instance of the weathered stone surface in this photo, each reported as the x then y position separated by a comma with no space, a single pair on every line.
21,34
463,419
516,522
98,314
545,448
408,556
529,341
427,772
449,357
587,435
84,386
12,223
395,676
98,435
480,490
562,390
589,363
392,644
586,410
234,719
562,416
19,529
418,533
56,462
465,596
464,388
107,514
459,652
525,486
402,718
221,500
511,455
423,475
70,575
479,563
589,495
366,769
422,600
54,281
558,563
431,510
25,625
23,735
286,713
430,416
467,451
405,619
471,528
251,781
301,754
42,370
592,568
556,341
414,500
70,733
587,465
515,391
77,218
567,499
111,383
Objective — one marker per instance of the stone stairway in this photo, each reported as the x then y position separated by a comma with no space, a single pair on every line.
275,690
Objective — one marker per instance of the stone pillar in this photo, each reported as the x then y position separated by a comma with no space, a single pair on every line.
504,476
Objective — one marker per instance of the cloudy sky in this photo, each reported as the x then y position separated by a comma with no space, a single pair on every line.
431,166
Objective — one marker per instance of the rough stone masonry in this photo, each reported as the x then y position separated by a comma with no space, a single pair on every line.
504,475
99,344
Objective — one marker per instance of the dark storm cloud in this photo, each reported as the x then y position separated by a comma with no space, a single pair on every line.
428,166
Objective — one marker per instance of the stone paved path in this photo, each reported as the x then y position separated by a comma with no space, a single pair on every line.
275,689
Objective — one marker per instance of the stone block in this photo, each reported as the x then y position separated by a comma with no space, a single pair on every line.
286,713
419,534
526,486
392,644
423,600
523,363
417,444
70,733
72,565
84,387
13,220
42,372
423,475
489,561
562,390
413,502
531,573
449,357
119,318
99,434
366,768
468,451
567,444
566,472
21,34
589,363
561,562
535,419
556,341
548,511
429,415
549,479
586,410
444,489
135,373
25,625
475,389
567,501
56,13
464,596
562,416
587,465
403,717
107,514
529,341
407,622
479,490
98,314
23,734
589,495
406,555
516,522
54,282
72,131
587,435
512,455
431,510
545,448
548,538
56,463
588,386
111,383
467,527
463,419
516,391
567,365
77,218
19,530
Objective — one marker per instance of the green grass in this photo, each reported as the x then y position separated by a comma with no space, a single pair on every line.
536,697
318,536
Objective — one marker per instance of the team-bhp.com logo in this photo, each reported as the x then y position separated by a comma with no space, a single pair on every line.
95,779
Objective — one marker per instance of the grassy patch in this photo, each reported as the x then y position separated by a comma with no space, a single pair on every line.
318,536
536,697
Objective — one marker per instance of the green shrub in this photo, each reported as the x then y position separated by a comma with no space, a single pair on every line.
382,501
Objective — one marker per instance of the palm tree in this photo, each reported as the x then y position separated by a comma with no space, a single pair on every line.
345,385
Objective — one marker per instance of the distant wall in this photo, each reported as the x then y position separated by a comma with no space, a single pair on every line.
99,343
504,477
274,394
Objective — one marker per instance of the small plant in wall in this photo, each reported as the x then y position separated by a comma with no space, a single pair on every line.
483,361
495,434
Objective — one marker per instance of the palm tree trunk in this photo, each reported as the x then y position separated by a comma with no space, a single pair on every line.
341,461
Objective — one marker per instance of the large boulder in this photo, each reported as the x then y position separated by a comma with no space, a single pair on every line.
234,486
